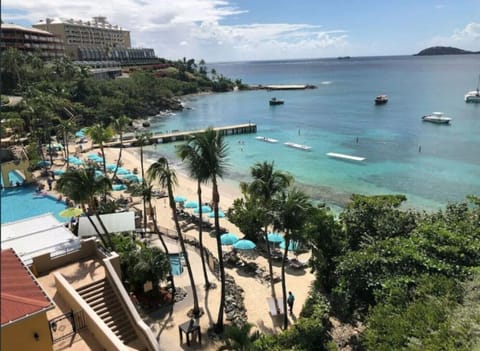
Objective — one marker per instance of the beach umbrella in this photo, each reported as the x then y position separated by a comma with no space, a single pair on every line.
275,238
75,160
132,178
99,173
228,239
71,212
110,166
292,246
179,198
80,134
220,214
44,163
244,244
122,171
205,209
58,171
118,187
191,204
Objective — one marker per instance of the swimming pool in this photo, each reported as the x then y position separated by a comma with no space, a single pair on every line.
175,262
14,177
20,202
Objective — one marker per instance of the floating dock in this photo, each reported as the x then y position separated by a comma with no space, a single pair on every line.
282,87
346,157
298,146
267,140
173,136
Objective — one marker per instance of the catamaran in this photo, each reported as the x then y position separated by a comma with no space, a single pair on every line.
267,140
298,146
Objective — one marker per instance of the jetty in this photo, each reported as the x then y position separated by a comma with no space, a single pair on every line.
345,157
298,146
176,135
282,87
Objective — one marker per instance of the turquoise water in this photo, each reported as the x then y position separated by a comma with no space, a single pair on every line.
13,177
332,117
175,262
19,203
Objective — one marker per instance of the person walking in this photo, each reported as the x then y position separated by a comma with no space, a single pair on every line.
290,301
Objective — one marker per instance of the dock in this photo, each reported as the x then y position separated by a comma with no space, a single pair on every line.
282,87
173,136
346,157
298,146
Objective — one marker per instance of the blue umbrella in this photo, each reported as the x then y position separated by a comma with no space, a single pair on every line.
122,171
191,204
274,237
205,209
180,198
44,163
92,156
110,166
74,160
133,178
228,239
99,173
80,134
117,187
244,245
220,214
58,172
292,246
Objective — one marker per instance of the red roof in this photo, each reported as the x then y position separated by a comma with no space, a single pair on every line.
20,293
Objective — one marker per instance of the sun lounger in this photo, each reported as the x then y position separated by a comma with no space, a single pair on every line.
296,264
273,308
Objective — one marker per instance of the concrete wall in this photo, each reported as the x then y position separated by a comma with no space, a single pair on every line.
44,263
21,335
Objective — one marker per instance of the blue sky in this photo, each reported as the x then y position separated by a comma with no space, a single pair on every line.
226,30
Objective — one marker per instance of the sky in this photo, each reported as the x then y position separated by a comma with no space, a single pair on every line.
249,30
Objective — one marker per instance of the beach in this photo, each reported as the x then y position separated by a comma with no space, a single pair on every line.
256,293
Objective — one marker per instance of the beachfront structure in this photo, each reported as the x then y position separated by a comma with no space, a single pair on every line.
95,35
33,40
24,307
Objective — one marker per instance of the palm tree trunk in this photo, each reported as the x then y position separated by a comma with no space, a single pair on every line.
157,231
119,156
65,143
284,286
100,236
196,308
216,199
105,231
200,235
270,265
143,184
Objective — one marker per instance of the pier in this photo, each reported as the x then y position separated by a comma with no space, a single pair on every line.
282,87
174,135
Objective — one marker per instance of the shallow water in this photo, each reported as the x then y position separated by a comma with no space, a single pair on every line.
340,116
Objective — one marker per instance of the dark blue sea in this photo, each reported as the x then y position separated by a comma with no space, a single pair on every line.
431,164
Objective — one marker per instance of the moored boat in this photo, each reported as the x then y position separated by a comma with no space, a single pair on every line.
381,99
474,95
275,101
345,157
436,117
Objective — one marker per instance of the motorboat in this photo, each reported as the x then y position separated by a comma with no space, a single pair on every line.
267,140
298,146
437,117
381,99
474,95
274,101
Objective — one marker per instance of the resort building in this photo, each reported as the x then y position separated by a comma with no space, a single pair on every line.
96,35
33,40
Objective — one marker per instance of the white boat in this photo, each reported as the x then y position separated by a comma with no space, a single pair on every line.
267,140
437,117
381,99
298,146
474,95
346,157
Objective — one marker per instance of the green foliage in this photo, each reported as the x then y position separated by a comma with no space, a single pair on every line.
239,338
248,216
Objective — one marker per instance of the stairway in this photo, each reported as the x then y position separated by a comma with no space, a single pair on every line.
102,299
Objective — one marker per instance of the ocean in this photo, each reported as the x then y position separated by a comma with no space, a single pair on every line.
431,164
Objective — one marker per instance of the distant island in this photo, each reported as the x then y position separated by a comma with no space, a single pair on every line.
444,50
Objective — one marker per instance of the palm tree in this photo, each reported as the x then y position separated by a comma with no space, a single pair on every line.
142,140
100,135
291,214
212,151
119,126
67,127
190,153
167,178
146,190
239,338
82,185
266,184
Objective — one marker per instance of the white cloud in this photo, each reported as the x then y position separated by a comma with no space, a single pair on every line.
467,38
190,28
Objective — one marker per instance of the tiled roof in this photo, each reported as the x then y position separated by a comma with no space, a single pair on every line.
21,295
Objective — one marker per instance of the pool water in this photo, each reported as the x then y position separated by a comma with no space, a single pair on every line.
21,202
13,177
175,262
